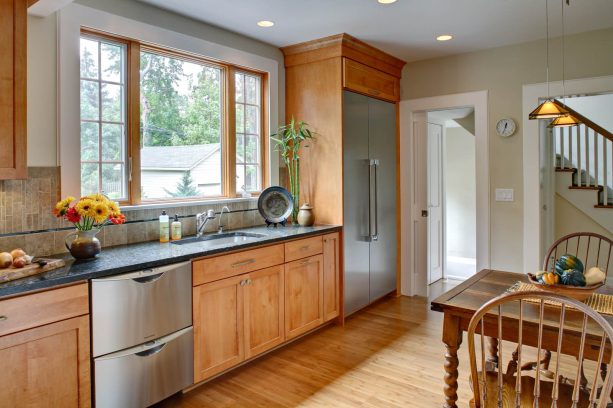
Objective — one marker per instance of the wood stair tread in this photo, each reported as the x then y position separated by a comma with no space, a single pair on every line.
604,206
595,188
566,169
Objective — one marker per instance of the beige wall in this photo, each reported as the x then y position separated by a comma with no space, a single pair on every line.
570,219
42,66
502,71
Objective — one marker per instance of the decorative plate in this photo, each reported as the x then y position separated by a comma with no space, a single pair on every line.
275,205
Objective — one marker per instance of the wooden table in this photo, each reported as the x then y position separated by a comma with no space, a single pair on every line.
460,303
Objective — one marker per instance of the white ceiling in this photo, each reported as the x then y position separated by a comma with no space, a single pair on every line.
406,29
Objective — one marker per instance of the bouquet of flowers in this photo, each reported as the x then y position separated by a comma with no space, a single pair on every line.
89,212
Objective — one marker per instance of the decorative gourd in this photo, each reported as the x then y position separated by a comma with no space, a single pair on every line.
550,278
572,277
594,275
539,276
568,261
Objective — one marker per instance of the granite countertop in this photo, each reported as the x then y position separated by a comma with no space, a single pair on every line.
133,257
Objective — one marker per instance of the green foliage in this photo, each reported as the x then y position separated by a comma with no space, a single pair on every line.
185,187
288,141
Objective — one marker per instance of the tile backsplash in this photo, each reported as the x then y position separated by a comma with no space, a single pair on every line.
26,220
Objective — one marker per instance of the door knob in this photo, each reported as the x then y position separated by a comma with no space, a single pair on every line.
424,213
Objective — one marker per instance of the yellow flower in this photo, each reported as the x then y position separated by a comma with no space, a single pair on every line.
101,212
113,208
85,207
62,205
101,198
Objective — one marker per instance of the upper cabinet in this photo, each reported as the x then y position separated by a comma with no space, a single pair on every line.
13,81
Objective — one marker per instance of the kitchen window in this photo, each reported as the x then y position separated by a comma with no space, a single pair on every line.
158,125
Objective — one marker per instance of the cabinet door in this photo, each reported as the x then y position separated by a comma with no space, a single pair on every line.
13,72
218,326
264,310
366,80
303,295
47,366
331,276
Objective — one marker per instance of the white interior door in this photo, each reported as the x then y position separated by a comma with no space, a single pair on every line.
435,203
419,204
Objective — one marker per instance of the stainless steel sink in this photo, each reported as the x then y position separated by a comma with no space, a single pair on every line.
224,238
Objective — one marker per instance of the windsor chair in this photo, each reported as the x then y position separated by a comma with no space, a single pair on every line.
498,389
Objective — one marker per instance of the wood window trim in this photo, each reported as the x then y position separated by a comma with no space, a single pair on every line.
228,134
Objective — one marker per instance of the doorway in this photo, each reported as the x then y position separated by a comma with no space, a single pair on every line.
424,261
452,213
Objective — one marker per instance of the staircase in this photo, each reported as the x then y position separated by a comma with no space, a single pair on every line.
584,168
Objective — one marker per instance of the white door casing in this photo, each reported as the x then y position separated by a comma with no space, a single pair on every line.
419,203
435,202
414,270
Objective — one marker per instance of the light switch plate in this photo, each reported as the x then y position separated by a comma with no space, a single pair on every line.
504,194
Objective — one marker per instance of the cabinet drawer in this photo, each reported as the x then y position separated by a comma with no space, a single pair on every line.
29,311
224,266
370,81
303,248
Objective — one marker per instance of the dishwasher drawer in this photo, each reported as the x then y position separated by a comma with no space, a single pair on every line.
134,308
145,374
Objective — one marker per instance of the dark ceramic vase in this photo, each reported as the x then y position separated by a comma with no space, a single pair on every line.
83,244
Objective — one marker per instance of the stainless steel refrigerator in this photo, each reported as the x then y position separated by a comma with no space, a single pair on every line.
369,145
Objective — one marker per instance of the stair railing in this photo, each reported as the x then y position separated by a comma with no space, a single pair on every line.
587,149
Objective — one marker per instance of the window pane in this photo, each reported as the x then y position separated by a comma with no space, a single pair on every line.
112,102
240,178
251,177
111,62
112,142
89,100
89,178
181,124
240,148
89,58
252,93
240,85
103,142
252,149
112,180
89,141
240,118
252,119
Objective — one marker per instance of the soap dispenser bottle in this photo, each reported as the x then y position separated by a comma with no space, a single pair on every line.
164,227
175,229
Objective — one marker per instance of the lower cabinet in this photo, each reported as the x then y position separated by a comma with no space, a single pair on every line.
239,317
47,366
303,295
235,319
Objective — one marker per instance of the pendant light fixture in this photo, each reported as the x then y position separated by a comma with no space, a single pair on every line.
547,109
566,120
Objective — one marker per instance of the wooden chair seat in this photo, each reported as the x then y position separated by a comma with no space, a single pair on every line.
527,396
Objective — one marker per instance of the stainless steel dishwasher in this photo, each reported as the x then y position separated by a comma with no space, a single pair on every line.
142,337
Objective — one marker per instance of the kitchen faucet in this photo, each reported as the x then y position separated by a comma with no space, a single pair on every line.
202,219
221,226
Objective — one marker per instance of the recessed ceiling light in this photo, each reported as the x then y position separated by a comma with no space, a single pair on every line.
387,1
444,37
265,23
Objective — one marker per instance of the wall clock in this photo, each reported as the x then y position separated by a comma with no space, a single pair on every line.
506,127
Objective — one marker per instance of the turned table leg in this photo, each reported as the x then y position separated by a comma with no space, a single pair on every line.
452,337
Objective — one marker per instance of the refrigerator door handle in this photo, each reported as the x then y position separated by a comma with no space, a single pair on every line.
374,203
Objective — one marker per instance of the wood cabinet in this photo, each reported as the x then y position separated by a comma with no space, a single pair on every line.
366,80
13,82
257,306
304,287
331,276
46,365
264,310
218,320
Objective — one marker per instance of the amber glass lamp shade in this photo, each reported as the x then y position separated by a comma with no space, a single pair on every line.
564,121
548,110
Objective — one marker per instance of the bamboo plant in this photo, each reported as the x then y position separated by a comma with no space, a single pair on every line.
288,141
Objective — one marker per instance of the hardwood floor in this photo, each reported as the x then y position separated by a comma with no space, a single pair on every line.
388,355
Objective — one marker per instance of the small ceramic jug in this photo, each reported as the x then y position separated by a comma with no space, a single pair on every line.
84,244
305,216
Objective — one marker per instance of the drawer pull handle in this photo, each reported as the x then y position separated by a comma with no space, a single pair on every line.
3,318
243,282
150,278
304,248
305,262
249,281
151,351
243,263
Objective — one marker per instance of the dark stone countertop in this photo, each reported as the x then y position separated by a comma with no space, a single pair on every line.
133,257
